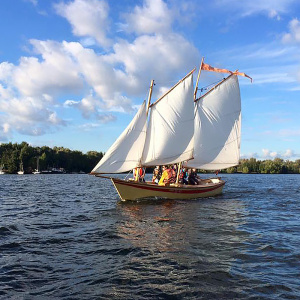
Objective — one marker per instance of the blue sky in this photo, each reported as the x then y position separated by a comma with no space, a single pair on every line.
72,73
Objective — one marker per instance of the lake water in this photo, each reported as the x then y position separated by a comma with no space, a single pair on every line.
69,237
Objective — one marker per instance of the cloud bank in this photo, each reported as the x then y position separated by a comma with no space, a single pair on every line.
106,77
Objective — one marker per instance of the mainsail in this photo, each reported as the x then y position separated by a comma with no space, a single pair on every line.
126,152
217,128
171,126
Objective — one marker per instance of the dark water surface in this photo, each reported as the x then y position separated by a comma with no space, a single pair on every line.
68,237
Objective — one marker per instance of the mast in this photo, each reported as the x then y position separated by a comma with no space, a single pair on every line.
150,95
136,178
178,172
198,77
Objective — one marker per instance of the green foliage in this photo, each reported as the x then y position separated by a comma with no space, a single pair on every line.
245,169
231,170
276,166
11,155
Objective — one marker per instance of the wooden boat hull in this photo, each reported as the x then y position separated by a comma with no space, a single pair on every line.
131,190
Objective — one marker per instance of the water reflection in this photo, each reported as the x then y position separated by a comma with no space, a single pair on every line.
187,240
151,225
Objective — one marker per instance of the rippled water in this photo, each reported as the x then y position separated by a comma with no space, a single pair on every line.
68,237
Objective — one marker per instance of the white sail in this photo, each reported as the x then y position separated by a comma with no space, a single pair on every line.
171,125
126,152
218,127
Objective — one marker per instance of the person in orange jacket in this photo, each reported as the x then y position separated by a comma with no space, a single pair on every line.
168,176
139,174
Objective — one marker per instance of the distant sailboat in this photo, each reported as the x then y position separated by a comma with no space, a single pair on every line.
201,133
1,170
37,170
21,171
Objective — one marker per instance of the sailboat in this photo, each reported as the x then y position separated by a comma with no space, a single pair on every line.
37,170
21,171
1,170
179,128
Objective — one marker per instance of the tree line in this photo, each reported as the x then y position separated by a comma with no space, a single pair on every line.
275,166
13,155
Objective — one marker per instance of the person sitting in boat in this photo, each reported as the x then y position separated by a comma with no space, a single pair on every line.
139,174
168,176
183,176
156,175
193,178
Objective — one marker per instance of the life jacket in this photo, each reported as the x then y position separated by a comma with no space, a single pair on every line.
141,172
171,176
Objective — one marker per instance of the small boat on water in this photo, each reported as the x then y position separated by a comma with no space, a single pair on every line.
1,170
21,171
53,171
132,190
179,128
37,170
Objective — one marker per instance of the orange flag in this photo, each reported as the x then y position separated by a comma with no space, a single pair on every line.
207,67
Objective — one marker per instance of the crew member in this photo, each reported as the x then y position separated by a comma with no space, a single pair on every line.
168,176
139,174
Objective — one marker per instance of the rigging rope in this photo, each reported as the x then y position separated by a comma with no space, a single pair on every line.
128,174
205,88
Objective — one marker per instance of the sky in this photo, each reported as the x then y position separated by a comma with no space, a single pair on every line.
73,73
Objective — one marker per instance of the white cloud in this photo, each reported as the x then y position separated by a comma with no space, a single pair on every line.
102,118
106,118
28,116
88,106
6,127
5,132
54,73
88,126
88,18
271,63
6,70
274,14
273,154
289,153
107,81
270,8
294,34
169,55
273,78
34,2
269,154
153,17
266,152
27,90
54,119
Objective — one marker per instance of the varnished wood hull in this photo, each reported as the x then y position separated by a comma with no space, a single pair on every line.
131,190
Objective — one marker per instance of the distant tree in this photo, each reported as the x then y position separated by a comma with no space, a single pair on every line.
11,155
231,170
245,170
